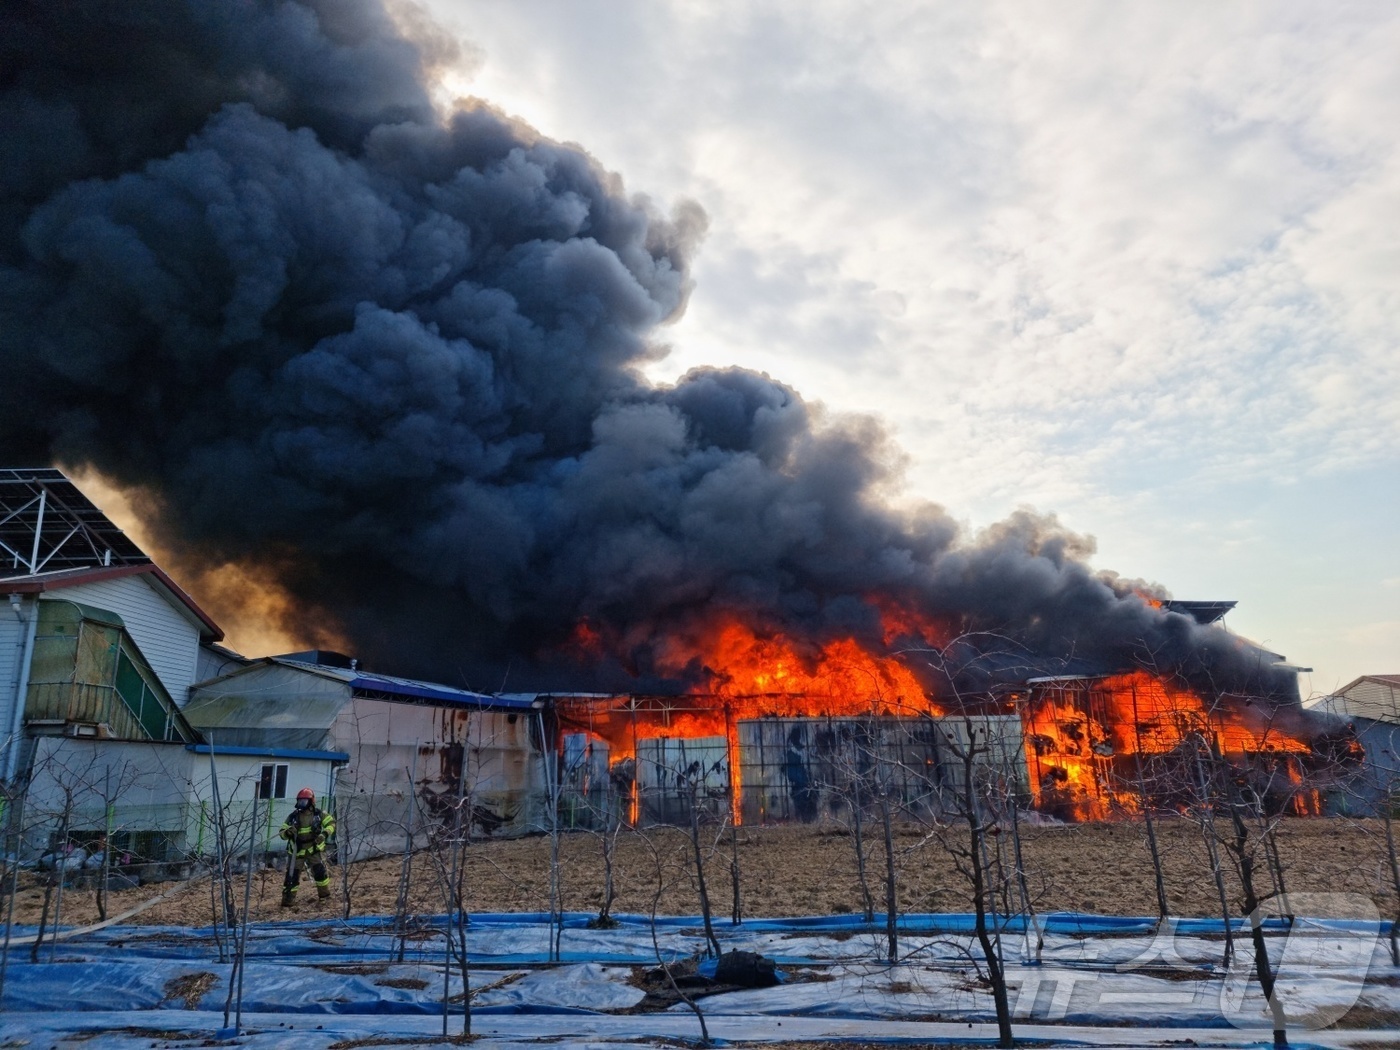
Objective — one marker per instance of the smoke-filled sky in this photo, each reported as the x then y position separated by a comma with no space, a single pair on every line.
1132,266
460,386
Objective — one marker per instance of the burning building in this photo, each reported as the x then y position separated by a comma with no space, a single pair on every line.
786,736
386,362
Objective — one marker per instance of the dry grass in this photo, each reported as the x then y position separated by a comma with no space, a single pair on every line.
798,870
190,988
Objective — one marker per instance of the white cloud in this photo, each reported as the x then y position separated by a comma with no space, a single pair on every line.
1099,257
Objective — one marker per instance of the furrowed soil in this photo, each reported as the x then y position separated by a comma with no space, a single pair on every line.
788,871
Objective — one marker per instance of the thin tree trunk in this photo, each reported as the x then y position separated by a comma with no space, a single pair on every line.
14,814
1276,870
1394,882
995,974
1208,832
61,874
43,919
612,825
891,887
235,989
552,778
406,868
700,867
737,915
988,936
106,849
858,825
456,932
221,875
1152,849
735,804
1026,905
1160,883
1263,968
661,961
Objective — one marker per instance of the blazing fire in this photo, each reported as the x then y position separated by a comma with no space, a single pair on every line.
1093,747
1093,743
752,676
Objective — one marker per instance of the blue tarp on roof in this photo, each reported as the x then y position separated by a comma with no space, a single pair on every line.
378,683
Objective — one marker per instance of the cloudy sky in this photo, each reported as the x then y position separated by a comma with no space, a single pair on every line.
1135,265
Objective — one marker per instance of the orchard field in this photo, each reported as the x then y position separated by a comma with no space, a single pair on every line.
798,870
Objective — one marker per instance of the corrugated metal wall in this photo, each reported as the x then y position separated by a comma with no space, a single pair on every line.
390,743
671,771
804,769
793,769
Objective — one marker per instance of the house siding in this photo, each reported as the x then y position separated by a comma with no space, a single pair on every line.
1374,699
167,639
238,780
13,634
117,785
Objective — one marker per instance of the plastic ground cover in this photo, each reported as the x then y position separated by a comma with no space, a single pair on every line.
1070,972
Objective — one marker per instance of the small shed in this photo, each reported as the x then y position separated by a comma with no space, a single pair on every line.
155,801
413,746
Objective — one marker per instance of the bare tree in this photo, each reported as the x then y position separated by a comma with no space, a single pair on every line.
448,828
976,805
1236,793
979,805
692,778
12,792
668,966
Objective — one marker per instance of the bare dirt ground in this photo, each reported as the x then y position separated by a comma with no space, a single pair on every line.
789,871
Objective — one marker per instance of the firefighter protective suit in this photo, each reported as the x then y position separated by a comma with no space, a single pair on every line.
306,831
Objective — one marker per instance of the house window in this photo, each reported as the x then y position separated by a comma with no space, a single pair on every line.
273,781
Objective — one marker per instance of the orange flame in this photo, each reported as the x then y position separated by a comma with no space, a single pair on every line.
1081,732
1085,739
757,676
1150,599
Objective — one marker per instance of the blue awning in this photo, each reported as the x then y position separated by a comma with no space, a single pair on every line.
270,752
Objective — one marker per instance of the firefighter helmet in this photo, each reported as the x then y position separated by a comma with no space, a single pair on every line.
306,793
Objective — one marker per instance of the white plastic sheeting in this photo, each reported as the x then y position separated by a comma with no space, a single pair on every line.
312,984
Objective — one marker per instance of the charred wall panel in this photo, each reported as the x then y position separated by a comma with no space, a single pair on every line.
410,764
674,773
806,769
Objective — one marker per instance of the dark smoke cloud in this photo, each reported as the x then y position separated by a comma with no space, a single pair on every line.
246,270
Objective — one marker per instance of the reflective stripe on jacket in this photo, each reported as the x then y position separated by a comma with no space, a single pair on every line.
306,830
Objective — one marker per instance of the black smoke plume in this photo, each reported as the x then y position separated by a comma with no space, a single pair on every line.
391,357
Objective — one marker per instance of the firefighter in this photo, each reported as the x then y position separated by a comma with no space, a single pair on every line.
306,830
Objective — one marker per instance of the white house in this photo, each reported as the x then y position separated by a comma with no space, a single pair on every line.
102,733
95,639
98,649
155,801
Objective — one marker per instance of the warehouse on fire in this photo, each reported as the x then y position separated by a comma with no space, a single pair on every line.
125,714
